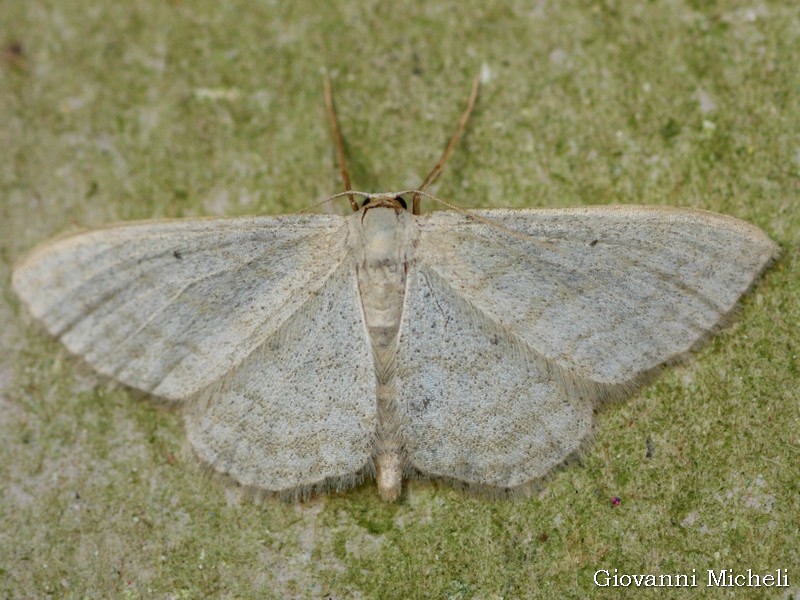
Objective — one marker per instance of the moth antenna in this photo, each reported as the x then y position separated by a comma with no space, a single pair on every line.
348,193
462,123
337,140
482,219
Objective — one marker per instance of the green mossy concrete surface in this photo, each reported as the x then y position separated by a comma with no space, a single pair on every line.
116,110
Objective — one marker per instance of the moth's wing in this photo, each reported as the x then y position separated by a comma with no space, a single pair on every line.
169,307
515,324
299,414
476,404
605,293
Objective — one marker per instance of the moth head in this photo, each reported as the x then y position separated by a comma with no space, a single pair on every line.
385,201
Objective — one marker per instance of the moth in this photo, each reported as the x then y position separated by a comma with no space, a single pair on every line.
310,352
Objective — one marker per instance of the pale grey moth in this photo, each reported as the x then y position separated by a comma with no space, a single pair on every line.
313,351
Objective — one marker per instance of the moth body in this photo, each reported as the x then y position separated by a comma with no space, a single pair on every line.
383,236
310,352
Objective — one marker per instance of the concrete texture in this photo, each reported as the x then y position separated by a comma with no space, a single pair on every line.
114,111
